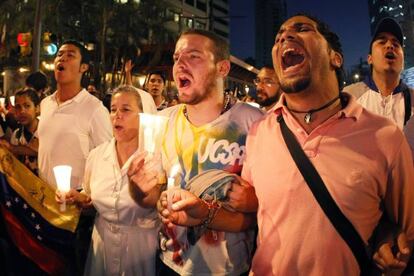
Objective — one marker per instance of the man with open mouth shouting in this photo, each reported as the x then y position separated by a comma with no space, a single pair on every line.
383,92
206,132
321,165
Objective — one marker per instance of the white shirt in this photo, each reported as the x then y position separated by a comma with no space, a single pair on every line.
125,235
391,106
68,132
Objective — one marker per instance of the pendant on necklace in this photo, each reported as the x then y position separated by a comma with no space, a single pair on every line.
308,118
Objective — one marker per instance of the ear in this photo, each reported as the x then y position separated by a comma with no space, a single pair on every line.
369,59
84,67
336,59
37,110
223,67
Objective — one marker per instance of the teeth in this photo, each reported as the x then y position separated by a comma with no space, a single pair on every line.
288,50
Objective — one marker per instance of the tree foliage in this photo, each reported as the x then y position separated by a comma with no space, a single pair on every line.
115,29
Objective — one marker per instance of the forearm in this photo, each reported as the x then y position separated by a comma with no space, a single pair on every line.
128,78
229,221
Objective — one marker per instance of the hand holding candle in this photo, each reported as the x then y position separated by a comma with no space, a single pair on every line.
62,175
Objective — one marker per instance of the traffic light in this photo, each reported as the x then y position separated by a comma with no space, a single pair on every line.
49,44
25,40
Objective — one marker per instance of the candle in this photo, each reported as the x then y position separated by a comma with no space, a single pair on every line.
11,100
149,140
62,175
171,184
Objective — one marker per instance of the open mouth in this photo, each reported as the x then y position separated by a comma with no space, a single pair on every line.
60,67
183,82
291,57
390,55
118,127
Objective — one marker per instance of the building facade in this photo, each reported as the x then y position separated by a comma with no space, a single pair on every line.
269,15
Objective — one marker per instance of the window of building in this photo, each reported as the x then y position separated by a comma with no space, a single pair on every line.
222,21
200,25
220,32
190,2
223,10
201,5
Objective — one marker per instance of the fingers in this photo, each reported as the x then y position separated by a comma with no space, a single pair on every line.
403,244
379,262
387,259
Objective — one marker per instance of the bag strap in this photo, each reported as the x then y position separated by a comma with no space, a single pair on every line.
407,104
342,225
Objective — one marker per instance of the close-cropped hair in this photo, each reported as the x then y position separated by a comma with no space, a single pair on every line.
30,93
85,58
333,42
128,89
221,49
37,80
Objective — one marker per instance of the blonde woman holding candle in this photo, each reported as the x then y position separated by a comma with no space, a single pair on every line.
124,238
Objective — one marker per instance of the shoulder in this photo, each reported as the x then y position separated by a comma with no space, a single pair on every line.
170,111
244,112
101,149
356,89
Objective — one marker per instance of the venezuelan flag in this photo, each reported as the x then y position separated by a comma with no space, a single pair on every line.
33,220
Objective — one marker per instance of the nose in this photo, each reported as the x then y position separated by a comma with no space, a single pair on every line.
285,35
389,44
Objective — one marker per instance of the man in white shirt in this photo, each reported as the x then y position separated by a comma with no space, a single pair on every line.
72,121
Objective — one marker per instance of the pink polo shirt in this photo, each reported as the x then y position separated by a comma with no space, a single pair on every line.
363,159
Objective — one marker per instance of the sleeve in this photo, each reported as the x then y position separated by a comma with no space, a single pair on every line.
399,197
101,129
246,171
409,133
86,185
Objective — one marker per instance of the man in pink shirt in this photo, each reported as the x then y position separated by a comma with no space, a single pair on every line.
363,159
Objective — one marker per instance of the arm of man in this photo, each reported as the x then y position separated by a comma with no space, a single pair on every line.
189,210
399,205
242,197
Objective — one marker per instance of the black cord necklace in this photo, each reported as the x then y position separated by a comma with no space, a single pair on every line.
308,115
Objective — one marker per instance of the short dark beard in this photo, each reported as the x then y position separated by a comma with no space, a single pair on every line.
296,87
268,101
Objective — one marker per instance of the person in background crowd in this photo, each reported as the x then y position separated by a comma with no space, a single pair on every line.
267,88
125,235
38,81
383,92
92,90
147,100
206,132
24,142
155,85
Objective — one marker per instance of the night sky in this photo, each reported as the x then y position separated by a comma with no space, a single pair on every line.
348,18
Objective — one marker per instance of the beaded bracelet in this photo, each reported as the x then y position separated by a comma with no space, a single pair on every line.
213,208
